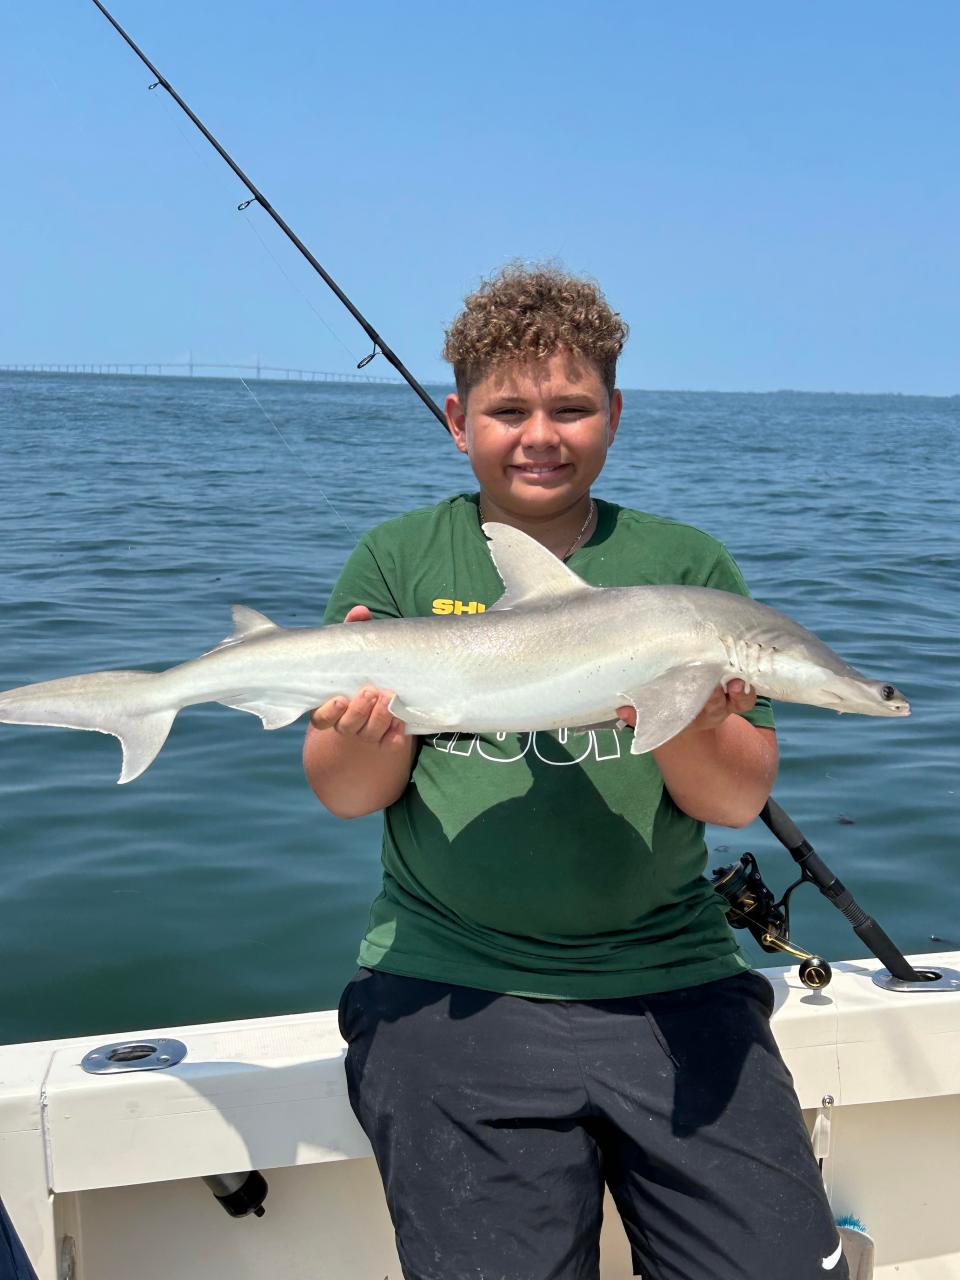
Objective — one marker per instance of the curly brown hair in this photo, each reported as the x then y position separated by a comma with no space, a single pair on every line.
529,313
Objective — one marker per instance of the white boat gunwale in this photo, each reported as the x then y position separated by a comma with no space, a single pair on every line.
270,1094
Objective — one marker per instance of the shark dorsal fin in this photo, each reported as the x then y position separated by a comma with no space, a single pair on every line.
247,623
531,574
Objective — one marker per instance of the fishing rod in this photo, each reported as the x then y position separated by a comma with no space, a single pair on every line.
751,905
257,197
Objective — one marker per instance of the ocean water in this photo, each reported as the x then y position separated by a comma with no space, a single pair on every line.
135,511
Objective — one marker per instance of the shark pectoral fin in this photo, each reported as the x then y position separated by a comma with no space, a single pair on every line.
414,720
275,715
667,704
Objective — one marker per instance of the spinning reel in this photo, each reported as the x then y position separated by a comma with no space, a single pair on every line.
751,905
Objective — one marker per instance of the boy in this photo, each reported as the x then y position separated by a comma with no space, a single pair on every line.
549,995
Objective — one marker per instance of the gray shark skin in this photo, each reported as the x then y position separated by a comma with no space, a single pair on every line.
552,653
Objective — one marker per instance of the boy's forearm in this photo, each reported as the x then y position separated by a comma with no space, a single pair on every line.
722,775
352,777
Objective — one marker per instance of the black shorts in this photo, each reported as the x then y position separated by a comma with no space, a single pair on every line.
14,1263
496,1121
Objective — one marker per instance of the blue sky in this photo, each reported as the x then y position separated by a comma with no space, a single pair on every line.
769,193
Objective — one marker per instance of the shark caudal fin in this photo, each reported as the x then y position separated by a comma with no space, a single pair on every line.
116,702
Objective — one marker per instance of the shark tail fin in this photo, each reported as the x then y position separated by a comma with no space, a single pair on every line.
119,702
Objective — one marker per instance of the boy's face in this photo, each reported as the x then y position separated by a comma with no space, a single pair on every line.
537,432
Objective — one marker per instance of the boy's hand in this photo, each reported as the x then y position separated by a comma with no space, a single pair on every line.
364,716
717,708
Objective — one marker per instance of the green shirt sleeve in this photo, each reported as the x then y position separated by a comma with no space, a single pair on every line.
362,581
725,575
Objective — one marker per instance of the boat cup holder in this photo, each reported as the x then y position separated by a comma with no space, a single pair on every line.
134,1055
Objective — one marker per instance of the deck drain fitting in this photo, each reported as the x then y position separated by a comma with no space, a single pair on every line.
134,1055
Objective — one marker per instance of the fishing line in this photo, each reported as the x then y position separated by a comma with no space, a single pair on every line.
203,157
247,222
298,459
256,197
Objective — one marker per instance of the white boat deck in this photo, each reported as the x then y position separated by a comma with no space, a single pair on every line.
105,1169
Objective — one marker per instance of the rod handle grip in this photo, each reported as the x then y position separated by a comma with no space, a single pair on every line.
783,826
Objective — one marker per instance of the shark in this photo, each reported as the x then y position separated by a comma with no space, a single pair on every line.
553,652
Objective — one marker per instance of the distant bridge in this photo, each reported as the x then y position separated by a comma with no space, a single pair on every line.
191,367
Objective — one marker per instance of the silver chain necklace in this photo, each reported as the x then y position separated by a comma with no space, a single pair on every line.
577,540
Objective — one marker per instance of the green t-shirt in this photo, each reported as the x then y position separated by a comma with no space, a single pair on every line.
539,864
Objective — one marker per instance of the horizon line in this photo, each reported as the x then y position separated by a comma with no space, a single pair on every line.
137,369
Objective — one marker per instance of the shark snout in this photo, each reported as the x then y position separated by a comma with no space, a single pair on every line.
871,698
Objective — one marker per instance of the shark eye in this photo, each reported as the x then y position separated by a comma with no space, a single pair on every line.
887,692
